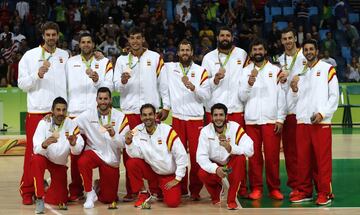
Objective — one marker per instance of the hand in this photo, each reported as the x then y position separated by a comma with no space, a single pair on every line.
190,86
294,83
128,137
251,80
94,76
163,114
72,139
98,55
225,143
316,118
283,76
125,77
218,76
220,172
171,184
109,128
48,142
278,127
42,71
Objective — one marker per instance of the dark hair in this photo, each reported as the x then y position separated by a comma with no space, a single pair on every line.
256,42
185,42
224,28
104,90
58,100
135,30
287,30
219,106
311,41
50,25
147,105
86,35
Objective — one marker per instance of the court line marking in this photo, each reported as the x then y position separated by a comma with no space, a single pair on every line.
52,210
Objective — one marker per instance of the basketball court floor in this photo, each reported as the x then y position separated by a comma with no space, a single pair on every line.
346,187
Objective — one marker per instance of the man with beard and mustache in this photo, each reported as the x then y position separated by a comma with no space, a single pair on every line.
53,141
157,155
221,145
188,86
316,91
225,65
85,74
137,76
264,100
292,62
105,129
42,76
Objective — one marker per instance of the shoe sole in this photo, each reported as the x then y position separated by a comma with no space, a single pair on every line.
302,200
324,203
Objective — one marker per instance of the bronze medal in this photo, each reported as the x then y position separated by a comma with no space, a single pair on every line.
46,63
185,79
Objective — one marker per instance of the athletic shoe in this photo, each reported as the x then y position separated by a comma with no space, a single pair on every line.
293,193
62,206
232,206
142,197
91,198
324,199
40,208
255,194
113,205
300,197
276,195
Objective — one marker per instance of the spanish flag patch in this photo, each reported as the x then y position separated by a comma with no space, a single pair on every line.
159,67
109,67
204,76
170,139
239,133
331,74
76,131
124,123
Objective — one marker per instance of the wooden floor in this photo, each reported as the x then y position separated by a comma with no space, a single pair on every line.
344,146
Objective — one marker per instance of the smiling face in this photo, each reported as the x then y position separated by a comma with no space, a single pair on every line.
288,40
185,53
258,53
103,100
310,52
59,112
225,39
86,45
148,117
219,118
136,41
51,37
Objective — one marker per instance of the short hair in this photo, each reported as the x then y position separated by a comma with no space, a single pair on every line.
50,25
224,28
147,105
136,30
58,100
256,42
86,35
103,90
219,106
310,41
287,30
185,42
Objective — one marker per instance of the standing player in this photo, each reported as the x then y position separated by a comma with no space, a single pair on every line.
264,100
42,76
220,145
188,89
53,141
317,92
157,155
225,65
137,77
105,129
85,75
292,62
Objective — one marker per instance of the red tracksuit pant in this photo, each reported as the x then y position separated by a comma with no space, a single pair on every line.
314,155
109,176
264,134
27,181
189,132
213,182
289,146
57,192
239,118
138,170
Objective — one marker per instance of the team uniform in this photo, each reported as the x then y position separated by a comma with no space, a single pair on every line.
318,93
53,158
82,96
264,105
188,112
40,94
293,64
142,87
158,158
211,155
102,151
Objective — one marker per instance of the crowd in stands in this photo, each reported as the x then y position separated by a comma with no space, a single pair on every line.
167,22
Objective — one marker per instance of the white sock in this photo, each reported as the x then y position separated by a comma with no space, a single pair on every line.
91,198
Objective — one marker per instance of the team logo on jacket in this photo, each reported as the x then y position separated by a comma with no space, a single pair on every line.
61,60
159,141
270,75
238,61
148,62
77,65
192,74
96,66
318,73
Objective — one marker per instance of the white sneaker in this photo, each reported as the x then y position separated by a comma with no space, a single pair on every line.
91,198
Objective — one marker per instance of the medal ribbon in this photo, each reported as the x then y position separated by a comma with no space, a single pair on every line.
100,120
185,70
43,54
87,62
222,65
